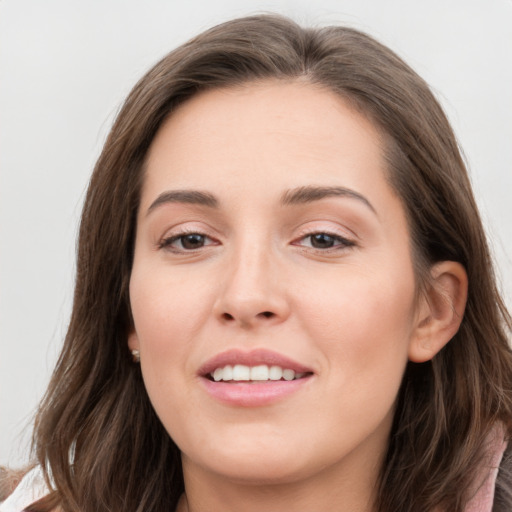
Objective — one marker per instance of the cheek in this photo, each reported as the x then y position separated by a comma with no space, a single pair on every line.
167,315
363,330
364,323
166,309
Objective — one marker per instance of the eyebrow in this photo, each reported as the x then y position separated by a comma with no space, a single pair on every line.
185,196
308,194
296,196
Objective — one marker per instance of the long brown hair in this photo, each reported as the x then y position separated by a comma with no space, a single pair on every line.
97,436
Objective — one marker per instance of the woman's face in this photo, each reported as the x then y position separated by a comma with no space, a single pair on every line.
269,242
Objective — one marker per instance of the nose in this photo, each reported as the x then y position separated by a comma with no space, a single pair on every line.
252,293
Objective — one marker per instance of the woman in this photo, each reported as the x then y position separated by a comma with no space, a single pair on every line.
284,295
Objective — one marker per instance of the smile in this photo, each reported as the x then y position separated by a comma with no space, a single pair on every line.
263,372
253,379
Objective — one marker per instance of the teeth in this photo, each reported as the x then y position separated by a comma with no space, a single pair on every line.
288,374
259,372
262,372
241,372
275,373
227,372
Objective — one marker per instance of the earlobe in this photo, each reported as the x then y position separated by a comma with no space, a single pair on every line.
133,346
133,340
440,311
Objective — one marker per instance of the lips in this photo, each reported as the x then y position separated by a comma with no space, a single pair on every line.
252,379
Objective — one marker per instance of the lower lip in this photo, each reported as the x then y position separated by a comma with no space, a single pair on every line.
253,394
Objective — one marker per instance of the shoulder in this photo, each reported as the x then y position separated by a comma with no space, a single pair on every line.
30,489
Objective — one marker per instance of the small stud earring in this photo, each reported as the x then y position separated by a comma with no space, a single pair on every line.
135,356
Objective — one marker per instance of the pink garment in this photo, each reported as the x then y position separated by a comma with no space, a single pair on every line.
483,499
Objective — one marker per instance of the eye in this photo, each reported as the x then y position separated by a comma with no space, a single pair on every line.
186,242
324,241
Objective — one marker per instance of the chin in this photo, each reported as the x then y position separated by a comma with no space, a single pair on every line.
262,472
254,462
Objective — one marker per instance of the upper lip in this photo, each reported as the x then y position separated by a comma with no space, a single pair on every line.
251,358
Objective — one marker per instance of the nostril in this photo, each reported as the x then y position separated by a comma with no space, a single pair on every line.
228,317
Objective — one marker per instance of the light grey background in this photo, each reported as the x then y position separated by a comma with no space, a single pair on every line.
66,65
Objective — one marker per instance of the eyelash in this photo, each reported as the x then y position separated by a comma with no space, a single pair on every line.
340,242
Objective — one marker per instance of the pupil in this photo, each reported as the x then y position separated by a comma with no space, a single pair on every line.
322,241
192,241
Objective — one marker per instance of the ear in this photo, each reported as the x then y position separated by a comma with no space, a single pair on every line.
440,311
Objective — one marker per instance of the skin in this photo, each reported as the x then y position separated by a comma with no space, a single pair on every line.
349,312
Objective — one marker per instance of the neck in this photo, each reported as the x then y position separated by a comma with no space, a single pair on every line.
205,492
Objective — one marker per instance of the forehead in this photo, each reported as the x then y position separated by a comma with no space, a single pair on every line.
265,136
